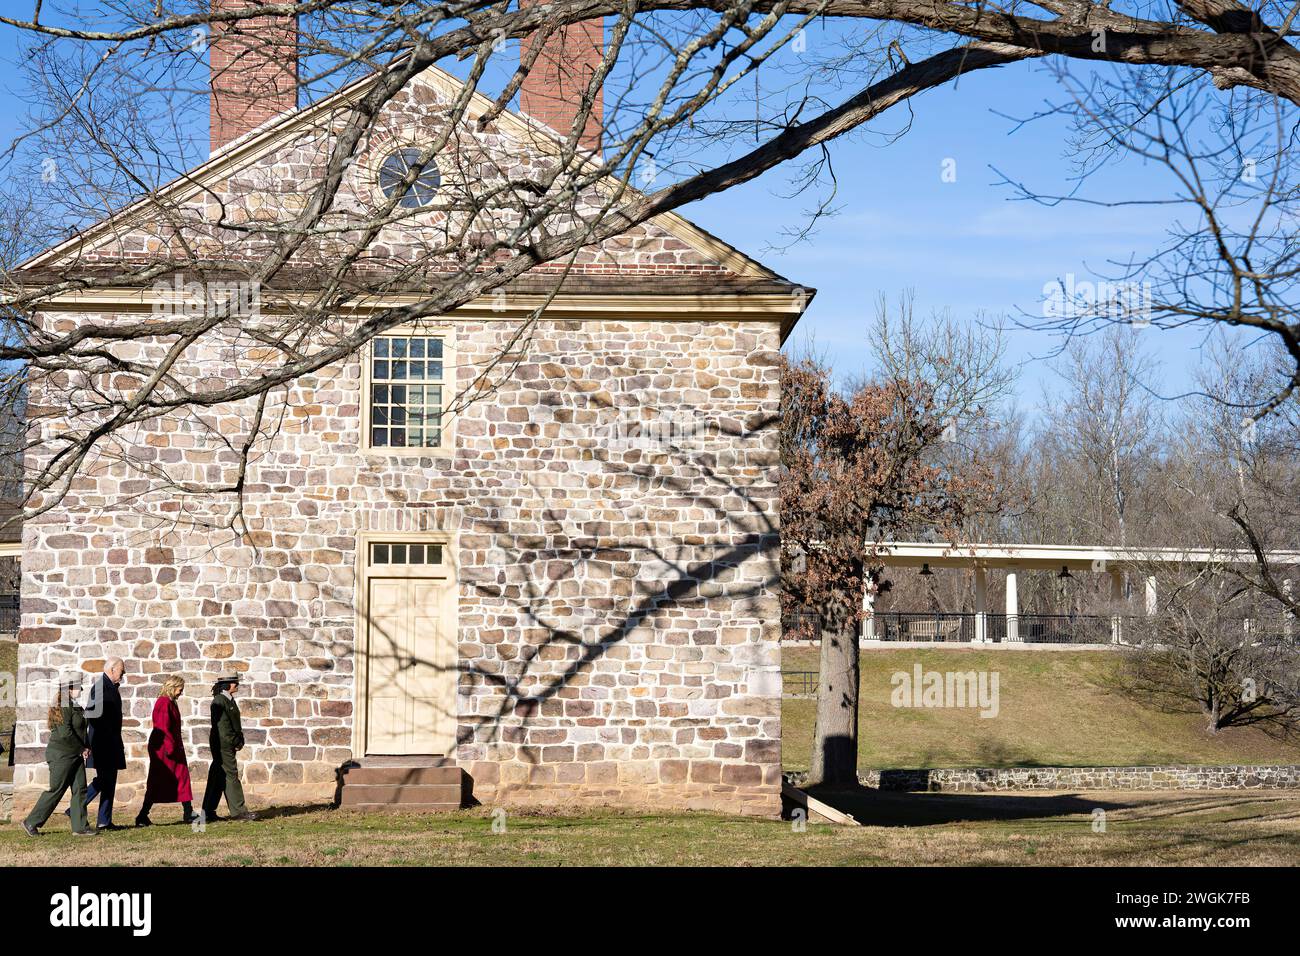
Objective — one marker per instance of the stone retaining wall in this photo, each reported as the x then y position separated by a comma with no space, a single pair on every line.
972,780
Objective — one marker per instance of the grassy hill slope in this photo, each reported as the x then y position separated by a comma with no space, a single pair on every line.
1057,708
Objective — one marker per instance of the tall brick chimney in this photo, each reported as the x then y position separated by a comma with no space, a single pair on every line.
552,91
254,69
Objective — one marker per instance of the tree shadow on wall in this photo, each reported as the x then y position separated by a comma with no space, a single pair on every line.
538,587
566,635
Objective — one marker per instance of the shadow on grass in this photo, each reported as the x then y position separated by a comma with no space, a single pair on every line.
879,808
293,810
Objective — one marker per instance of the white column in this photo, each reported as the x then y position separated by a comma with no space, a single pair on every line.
1116,600
1013,608
868,612
981,606
1152,602
1288,619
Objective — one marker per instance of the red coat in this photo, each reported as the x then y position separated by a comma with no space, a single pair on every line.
169,774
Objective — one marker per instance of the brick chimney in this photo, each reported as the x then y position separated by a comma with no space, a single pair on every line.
254,69
552,91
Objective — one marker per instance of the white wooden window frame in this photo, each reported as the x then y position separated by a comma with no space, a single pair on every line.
446,439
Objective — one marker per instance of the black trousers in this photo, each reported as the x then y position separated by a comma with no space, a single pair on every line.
104,786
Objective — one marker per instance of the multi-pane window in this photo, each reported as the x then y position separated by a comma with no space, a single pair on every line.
401,553
396,169
406,382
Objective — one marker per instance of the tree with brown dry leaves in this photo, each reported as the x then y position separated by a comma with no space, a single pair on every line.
878,461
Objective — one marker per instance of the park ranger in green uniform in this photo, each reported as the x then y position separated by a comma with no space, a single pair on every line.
226,739
66,754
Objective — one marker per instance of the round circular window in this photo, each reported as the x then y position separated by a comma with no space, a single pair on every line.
396,170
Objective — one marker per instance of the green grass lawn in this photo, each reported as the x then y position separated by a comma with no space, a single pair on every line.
8,665
905,829
1057,708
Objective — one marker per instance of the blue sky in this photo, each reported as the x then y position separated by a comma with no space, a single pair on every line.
964,246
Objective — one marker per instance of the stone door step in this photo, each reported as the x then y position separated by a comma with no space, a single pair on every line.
402,760
406,786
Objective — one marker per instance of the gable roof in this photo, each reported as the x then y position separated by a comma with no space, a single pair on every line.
254,145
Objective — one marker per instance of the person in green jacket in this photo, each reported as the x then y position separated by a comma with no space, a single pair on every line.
66,753
225,740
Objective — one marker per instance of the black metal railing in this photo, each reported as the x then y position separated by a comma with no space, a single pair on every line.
1050,629
9,614
1259,631
961,627
800,625
1275,629
799,683
939,627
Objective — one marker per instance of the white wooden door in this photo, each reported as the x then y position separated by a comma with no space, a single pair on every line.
411,666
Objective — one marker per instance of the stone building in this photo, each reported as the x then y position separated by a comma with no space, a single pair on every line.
562,591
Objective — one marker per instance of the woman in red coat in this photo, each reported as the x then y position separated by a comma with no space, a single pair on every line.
169,774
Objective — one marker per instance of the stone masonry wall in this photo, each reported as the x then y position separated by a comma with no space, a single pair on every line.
972,780
618,627
221,221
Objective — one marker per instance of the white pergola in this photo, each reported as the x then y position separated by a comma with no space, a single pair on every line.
980,558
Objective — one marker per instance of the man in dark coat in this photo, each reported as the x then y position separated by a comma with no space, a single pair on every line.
225,740
107,754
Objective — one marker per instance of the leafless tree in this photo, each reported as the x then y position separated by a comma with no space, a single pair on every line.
1103,411
1240,473
1217,647
116,82
1229,256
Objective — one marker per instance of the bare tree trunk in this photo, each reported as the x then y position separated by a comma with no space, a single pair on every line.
1212,712
835,740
